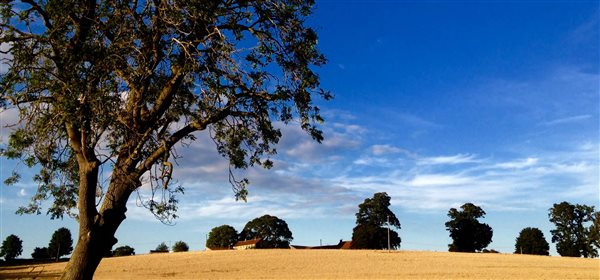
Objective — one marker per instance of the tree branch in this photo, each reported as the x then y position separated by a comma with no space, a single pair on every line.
180,134
41,11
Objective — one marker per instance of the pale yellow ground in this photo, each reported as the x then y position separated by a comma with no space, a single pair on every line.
326,264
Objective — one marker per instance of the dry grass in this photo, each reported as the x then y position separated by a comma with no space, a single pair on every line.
326,264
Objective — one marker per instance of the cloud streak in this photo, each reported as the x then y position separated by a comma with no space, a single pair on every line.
449,160
567,120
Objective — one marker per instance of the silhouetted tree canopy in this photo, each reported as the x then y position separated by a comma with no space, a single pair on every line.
373,214
123,251
531,241
369,236
273,231
224,236
40,253
116,86
162,247
61,243
180,246
576,232
467,233
12,247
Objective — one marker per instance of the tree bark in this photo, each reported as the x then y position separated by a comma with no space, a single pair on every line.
94,244
97,232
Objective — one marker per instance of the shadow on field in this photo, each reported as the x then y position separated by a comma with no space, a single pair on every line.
28,269
27,272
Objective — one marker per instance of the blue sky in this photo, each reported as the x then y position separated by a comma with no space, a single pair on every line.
436,103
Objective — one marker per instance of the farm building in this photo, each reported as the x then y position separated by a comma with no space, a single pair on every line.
247,244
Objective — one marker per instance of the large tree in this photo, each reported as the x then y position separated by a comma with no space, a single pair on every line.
577,229
111,87
531,241
221,237
373,214
467,233
273,231
12,247
61,243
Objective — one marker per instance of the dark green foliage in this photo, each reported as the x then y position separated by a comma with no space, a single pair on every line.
376,211
12,247
531,241
577,230
123,251
594,233
61,243
180,246
370,236
221,237
40,253
273,231
162,247
373,214
467,233
231,67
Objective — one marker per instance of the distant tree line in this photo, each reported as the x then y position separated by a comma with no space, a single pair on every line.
576,233
61,244
576,230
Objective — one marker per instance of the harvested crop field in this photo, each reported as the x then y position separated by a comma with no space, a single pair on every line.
325,264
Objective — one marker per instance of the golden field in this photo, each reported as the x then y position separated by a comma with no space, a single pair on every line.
325,264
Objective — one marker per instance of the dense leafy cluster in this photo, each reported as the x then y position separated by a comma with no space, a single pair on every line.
162,247
61,243
273,231
373,214
180,246
222,237
531,241
123,251
12,247
123,82
467,233
40,253
577,232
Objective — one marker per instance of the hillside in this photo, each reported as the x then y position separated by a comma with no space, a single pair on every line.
326,264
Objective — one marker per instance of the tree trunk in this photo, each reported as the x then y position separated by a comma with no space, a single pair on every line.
85,259
93,245
97,236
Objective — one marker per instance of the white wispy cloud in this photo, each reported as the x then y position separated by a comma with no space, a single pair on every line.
517,164
567,120
5,58
425,180
297,145
8,120
416,121
440,160
386,149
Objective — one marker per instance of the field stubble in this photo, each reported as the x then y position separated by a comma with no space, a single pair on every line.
326,264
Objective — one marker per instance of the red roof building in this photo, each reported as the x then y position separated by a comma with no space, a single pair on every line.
246,244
